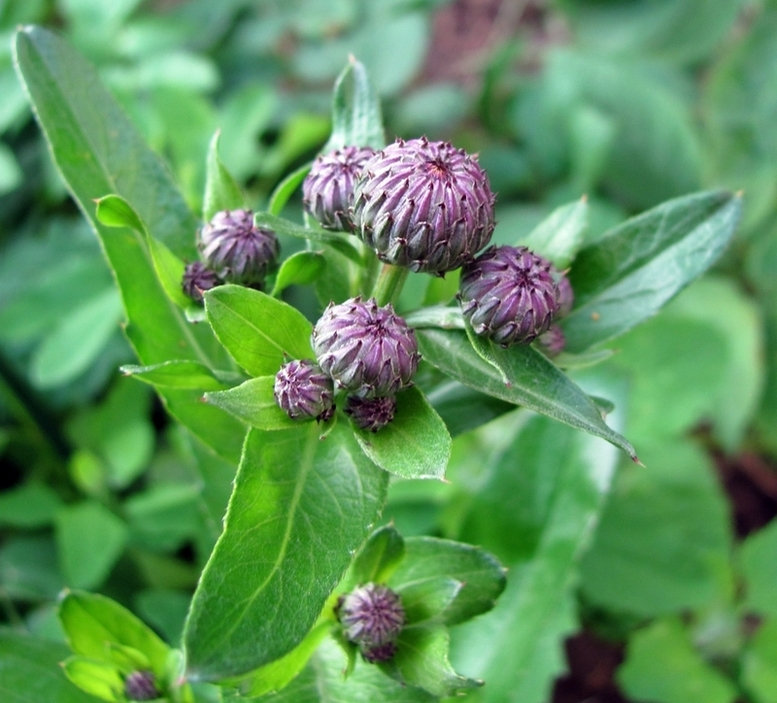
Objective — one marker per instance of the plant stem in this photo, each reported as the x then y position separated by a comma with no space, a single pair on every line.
389,284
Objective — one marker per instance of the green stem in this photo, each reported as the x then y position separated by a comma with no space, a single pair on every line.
389,284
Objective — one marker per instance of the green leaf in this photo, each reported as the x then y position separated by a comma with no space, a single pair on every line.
285,189
257,330
115,211
28,568
165,609
95,677
300,268
301,506
378,558
29,506
636,268
662,666
221,190
559,236
426,601
536,383
759,664
415,444
176,374
428,558
758,557
30,671
356,114
93,622
253,402
90,540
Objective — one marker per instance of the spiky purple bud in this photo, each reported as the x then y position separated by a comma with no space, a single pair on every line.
508,294
235,249
197,278
424,205
328,189
303,391
140,686
372,616
371,414
381,653
553,341
367,350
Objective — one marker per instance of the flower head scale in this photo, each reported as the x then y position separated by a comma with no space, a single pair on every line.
197,278
367,350
140,686
508,295
328,188
237,250
372,617
423,205
303,391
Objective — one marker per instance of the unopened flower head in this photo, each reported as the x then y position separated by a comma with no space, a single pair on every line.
553,341
367,350
371,414
566,296
140,686
424,205
328,189
372,616
508,295
235,249
304,391
197,278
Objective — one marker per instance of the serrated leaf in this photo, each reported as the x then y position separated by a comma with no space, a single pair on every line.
559,236
415,444
356,113
636,268
253,402
176,374
258,331
536,383
300,507
221,190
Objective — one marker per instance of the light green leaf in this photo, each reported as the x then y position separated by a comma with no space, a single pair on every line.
300,268
377,559
285,189
221,190
253,402
176,374
758,557
97,678
559,236
28,506
759,664
115,211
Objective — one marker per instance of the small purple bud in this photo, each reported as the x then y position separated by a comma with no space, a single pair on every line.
508,294
328,189
140,686
197,278
553,341
372,616
371,414
367,350
235,249
304,392
566,296
379,654
424,205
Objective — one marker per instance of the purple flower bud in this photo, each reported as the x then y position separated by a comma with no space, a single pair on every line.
552,341
424,205
140,686
566,296
368,350
303,391
508,294
381,653
197,278
371,414
235,249
328,189
371,615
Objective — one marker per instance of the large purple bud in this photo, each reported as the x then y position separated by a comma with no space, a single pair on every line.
328,189
423,205
140,686
508,294
197,278
303,391
371,414
372,617
368,350
237,250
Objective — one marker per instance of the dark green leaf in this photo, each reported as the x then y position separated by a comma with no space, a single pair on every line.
636,268
536,383
253,402
176,374
29,506
356,114
257,330
299,269
221,190
758,558
300,507
415,444
378,558
559,236
463,408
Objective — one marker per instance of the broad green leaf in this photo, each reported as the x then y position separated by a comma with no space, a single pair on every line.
300,268
28,506
300,507
77,116
536,383
559,236
378,558
285,189
639,266
96,678
30,671
758,558
92,622
759,664
356,114
253,402
90,540
662,666
415,444
176,374
428,559
426,601
258,331
221,190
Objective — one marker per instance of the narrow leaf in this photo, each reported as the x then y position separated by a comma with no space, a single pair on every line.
221,190
560,235
285,189
176,374
253,402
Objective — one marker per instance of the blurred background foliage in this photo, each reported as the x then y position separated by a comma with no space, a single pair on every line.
662,580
